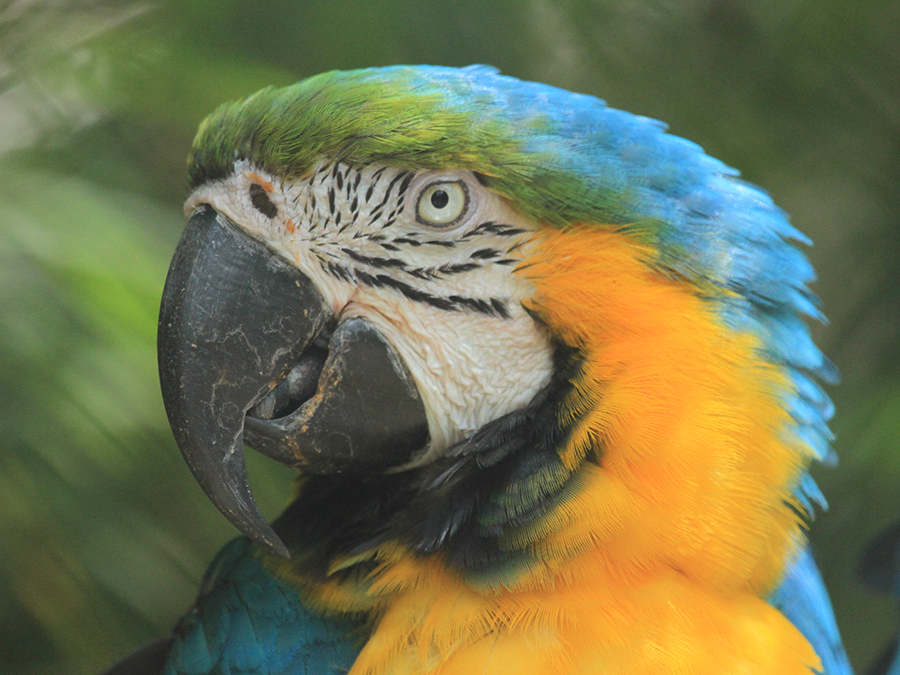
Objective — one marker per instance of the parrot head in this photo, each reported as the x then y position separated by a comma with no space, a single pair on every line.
353,319
401,268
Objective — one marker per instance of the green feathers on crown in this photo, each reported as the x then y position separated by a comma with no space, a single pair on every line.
415,117
354,116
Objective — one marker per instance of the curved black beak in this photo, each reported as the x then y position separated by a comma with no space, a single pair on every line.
234,319
246,339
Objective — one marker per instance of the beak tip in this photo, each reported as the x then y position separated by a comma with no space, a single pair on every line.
272,543
281,550
226,484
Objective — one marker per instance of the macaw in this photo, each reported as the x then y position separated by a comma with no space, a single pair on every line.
542,368
880,570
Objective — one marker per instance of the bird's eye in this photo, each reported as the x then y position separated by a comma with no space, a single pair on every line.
442,204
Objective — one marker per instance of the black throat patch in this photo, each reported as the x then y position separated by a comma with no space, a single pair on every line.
505,476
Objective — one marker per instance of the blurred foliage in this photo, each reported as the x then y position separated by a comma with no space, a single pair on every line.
103,534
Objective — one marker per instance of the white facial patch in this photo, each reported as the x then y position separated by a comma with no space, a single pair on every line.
428,258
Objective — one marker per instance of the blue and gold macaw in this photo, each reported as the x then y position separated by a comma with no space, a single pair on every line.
542,368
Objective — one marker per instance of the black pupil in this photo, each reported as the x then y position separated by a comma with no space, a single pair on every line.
439,199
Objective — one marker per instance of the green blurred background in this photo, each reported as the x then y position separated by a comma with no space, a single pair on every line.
103,534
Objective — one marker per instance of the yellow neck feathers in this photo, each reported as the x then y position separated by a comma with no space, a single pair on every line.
680,520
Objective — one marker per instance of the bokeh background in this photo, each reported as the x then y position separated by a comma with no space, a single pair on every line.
103,534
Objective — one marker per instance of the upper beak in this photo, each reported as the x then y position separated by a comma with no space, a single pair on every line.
233,320
242,336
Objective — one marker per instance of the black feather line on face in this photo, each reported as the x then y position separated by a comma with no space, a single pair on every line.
506,475
451,303
405,176
373,261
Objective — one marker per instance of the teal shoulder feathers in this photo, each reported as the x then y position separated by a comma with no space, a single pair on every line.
248,622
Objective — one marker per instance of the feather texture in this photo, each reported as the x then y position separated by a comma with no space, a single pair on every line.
639,513
248,622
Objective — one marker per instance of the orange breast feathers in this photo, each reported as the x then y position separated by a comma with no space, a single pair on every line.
681,521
